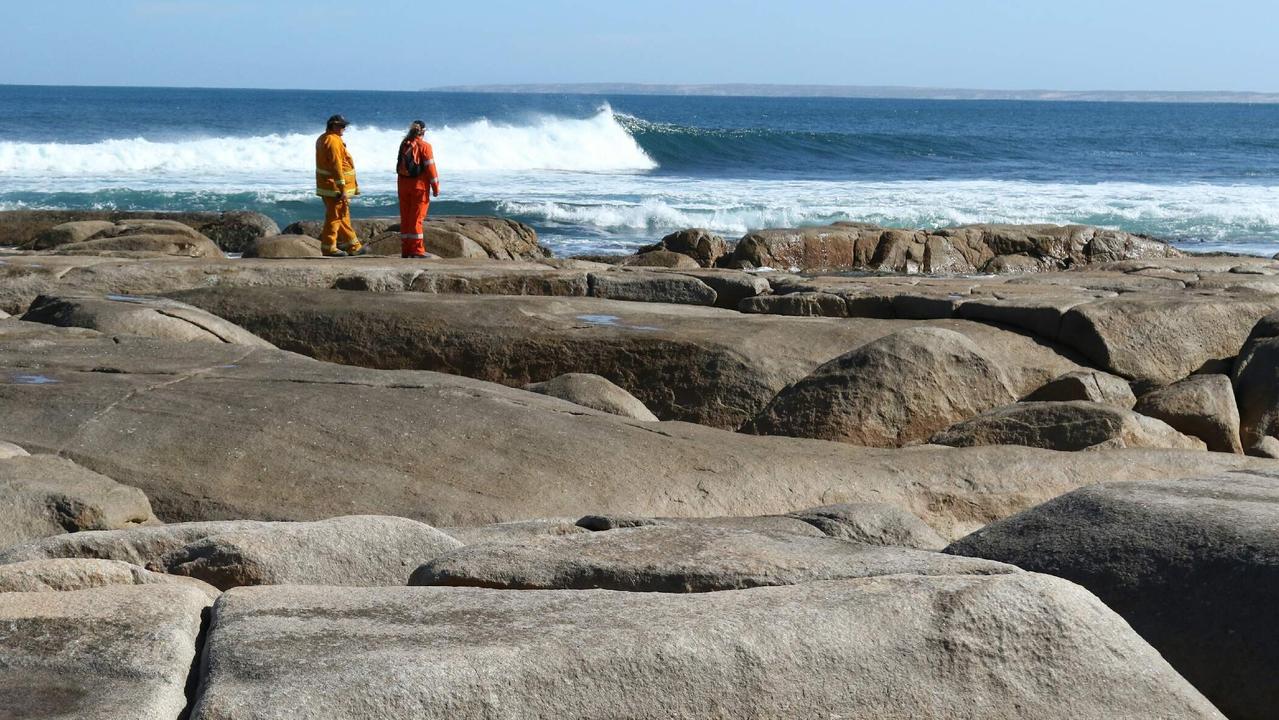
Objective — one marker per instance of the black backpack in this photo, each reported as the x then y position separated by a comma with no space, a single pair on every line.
411,167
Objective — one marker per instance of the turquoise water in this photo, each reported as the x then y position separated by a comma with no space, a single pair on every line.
601,174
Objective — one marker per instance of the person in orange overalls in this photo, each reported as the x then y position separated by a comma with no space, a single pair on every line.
417,180
335,183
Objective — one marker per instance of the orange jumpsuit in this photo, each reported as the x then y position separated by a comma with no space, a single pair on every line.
335,183
415,192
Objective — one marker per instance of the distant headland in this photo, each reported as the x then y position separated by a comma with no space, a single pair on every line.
872,91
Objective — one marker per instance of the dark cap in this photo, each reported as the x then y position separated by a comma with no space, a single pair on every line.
338,120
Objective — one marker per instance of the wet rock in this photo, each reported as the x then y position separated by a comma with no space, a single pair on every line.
1075,425
596,392
44,495
1201,406
894,391
891,648
109,652
144,316
1192,565
703,246
1090,385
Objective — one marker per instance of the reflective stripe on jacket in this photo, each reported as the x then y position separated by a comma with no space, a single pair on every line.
421,151
334,168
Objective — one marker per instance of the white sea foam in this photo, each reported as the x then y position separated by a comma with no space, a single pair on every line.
595,144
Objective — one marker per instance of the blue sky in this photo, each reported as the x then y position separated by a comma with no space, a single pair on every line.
376,45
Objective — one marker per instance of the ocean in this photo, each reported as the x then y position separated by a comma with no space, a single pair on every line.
604,174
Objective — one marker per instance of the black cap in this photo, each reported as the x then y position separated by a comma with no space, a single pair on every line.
338,120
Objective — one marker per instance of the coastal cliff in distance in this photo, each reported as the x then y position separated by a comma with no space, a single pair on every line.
871,91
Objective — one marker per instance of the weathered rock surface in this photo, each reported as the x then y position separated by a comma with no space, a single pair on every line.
966,249
651,287
688,558
1256,382
799,304
894,391
515,531
703,246
284,246
233,231
1090,385
71,232
65,574
453,451
660,259
593,391
1160,339
703,365
100,654
144,246
890,648
754,523
872,523
134,315
1192,565
1075,425
449,236
43,495
356,550
1201,406
9,450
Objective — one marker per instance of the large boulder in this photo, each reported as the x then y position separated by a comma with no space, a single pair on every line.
123,651
282,437
1157,339
958,646
660,259
703,246
1192,565
894,391
65,574
233,231
44,495
284,246
596,392
1090,385
679,558
133,315
71,232
1256,382
449,236
1201,406
1074,425
356,550
702,365
144,246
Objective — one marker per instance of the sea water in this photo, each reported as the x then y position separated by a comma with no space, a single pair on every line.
607,174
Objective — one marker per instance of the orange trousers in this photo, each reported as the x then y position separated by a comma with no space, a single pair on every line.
415,203
337,227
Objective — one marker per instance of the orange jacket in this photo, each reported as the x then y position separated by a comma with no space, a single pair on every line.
418,152
334,168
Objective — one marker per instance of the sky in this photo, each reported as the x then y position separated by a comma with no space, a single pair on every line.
1181,45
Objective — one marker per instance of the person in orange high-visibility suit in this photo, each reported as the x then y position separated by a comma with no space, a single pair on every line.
417,180
335,184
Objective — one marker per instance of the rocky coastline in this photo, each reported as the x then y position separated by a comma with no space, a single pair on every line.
844,471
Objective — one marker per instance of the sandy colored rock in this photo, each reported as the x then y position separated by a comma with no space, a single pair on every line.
100,654
284,246
66,574
1075,425
653,287
355,550
142,246
679,558
9,450
514,531
268,420
800,304
144,316
1192,565
1090,385
660,259
595,392
894,391
890,648
71,232
703,246
44,495
1201,406
702,365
